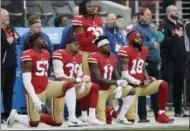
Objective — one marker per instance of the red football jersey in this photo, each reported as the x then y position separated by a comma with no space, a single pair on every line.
71,64
90,26
136,60
40,65
106,66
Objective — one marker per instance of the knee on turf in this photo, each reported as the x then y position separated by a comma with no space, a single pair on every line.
34,123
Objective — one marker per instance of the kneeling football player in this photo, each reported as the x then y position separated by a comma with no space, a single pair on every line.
68,66
35,64
103,72
132,59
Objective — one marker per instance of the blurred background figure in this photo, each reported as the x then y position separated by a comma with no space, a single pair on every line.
61,21
114,34
134,18
67,29
35,27
120,24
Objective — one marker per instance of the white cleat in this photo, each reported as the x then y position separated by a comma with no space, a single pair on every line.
123,121
11,119
84,119
75,123
95,121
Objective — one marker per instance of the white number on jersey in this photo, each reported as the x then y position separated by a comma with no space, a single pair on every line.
96,29
137,66
108,70
73,69
41,70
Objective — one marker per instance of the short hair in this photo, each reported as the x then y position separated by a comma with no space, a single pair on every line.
142,10
33,19
82,7
169,8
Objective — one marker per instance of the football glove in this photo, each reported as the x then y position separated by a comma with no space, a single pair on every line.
122,83
118,92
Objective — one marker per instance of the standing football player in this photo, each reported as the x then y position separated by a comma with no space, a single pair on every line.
132,59
103,72
68,66
35,64
88,27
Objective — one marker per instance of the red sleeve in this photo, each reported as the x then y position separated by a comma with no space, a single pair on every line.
26,56
92,58
57,55
85,40
123,52
77,20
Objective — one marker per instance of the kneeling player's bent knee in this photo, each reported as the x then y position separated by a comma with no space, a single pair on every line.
131,113
34,123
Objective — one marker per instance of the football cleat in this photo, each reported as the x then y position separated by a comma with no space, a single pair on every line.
84,119
95,121
164,119
11,119
75,123
123,121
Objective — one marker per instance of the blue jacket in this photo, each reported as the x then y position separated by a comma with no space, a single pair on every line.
115,37
64,35
149,36
23,41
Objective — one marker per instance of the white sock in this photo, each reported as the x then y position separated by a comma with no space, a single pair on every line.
127,101
84,113
23,119
161,111
70,100
92,112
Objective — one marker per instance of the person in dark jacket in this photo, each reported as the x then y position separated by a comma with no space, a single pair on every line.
8,62
151,39
173,56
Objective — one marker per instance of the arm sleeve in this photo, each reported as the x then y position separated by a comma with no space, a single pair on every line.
85,40
92,59
58,68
